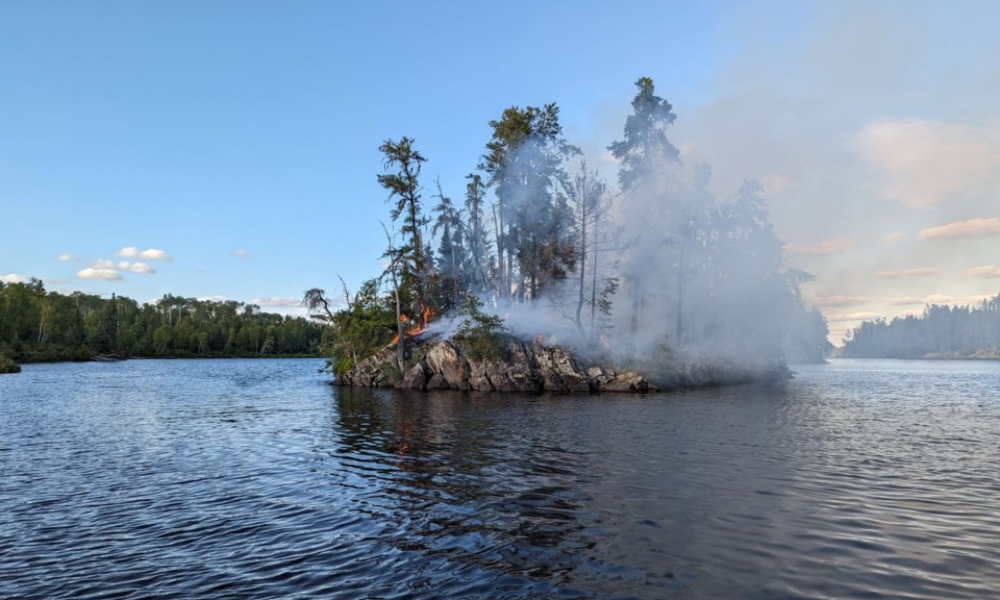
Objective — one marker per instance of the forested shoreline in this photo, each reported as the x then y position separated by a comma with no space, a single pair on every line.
655,268
939,332
41,326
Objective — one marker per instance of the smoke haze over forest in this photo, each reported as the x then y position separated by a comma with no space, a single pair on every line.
246,156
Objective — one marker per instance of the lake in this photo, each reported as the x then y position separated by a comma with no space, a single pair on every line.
256,479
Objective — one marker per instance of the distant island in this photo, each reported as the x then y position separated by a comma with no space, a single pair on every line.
944,332
546,278
41,326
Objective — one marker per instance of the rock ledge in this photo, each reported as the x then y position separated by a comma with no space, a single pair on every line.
523,367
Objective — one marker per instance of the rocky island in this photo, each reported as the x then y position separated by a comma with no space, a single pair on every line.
433,363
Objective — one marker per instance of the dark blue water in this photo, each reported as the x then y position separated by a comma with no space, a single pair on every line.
255,479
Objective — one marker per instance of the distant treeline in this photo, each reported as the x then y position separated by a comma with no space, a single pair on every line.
40,326
942,330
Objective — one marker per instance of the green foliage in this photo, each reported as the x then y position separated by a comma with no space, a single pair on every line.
366,326
483,334
645,146
40,326
8,366
403,186
524,162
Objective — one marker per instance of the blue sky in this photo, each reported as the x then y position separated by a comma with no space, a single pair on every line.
240,138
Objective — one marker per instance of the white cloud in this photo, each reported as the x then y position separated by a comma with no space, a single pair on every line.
277,302
892,238
986,271
926,162
240,253
907,273
104,264
65,257
141,267
154,254
970,228
150,254
12,278
98,273
822,248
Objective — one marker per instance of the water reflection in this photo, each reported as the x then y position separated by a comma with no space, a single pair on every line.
459,484
249,479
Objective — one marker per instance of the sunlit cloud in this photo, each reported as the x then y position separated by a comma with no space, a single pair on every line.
971,228
854,316
240,253
64,257
921,300
154,254
150,254
137,267
823,248
105,264
142,268
892,238
986,271
97,273
907,273
12,278
839,301
213,298
926,162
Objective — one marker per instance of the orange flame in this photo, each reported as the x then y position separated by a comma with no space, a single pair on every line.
425,317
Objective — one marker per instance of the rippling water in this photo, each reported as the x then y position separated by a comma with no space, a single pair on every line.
255,479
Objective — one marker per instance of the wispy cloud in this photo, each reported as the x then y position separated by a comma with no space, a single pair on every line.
12,278
892,238
971,228
854,316
926,162
277,302
986,271
99,273
150,254
839,301
64,257
920,300
907,273
823,248
241,253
